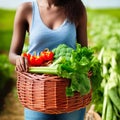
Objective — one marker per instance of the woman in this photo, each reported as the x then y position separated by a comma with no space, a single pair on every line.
49,23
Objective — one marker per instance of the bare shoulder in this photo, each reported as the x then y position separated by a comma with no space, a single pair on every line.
24,9
25,6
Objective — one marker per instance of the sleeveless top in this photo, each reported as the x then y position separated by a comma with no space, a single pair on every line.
42,37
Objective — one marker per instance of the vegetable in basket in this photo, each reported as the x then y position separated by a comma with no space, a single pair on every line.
74,65
35,60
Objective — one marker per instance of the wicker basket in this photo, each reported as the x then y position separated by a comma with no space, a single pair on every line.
47,93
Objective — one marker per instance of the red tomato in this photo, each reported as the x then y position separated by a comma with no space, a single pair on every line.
38,60
43,55
50,55
47,55
32,61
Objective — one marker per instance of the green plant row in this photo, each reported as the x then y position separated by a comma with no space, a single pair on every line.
6,71
104,33
6,28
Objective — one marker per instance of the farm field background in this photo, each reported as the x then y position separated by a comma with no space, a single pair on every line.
103,30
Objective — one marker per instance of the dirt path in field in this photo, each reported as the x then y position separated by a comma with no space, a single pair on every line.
12,109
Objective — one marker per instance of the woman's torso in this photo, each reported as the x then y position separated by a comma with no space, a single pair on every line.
46,34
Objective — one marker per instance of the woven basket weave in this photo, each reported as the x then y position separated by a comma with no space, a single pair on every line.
47,93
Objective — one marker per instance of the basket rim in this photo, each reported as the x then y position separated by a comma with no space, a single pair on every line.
37,76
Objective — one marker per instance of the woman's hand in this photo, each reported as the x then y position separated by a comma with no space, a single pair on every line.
22,64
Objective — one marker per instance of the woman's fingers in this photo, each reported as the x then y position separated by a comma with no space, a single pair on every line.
26,64
21,64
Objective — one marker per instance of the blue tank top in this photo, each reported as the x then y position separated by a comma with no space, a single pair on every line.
42,37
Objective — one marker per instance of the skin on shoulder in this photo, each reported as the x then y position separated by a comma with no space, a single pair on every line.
24,13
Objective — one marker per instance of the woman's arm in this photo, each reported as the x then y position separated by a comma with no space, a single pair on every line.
82,30
19,31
